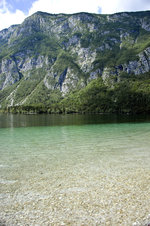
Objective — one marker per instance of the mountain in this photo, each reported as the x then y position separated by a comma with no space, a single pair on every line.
76,63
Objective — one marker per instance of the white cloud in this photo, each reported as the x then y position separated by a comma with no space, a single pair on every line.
113,6
93,6
65,6
7,18
109,6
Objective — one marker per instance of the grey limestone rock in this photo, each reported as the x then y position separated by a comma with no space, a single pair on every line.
10,72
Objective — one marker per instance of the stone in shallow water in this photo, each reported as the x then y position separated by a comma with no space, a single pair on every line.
7,181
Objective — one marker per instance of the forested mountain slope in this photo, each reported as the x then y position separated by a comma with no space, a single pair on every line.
76,63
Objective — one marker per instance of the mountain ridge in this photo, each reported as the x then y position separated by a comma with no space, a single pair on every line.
52,57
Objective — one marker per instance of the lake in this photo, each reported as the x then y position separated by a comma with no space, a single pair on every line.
74,170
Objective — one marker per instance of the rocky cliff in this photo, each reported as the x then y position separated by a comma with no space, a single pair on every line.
48,56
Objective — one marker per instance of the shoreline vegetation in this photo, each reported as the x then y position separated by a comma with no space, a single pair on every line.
127,97
33,110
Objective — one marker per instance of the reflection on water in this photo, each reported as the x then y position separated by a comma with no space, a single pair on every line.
96,171
20,120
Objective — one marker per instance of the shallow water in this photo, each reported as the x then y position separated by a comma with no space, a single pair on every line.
74,170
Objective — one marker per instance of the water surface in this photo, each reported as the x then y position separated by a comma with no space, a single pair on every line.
74,170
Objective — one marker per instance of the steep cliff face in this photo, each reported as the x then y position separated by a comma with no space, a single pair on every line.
53,55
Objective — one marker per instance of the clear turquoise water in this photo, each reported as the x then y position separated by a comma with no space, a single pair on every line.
74,170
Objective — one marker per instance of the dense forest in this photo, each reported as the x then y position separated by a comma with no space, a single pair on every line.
129,96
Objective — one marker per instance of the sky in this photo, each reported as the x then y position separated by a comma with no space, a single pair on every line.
15,11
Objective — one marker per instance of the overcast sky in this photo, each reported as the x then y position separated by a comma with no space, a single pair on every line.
15,11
